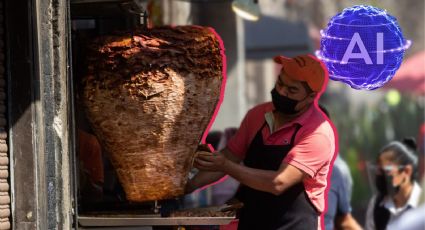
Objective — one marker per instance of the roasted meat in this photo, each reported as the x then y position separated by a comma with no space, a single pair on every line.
149,96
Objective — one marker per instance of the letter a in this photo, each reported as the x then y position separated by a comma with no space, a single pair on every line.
356,39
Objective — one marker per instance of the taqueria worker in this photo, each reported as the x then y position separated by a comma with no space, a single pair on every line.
286,147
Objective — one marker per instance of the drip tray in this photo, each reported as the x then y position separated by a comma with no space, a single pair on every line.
148,220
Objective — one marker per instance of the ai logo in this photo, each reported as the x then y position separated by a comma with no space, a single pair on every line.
363,46
357,40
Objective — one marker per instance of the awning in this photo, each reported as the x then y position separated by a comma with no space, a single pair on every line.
271,36
410,78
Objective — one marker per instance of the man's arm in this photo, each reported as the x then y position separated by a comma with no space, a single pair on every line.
343,218
201,179
205,177
275,182
347,222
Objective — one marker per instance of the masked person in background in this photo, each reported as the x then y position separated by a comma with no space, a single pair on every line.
398,191
286,146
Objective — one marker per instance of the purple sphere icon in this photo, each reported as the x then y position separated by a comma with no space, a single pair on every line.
363,46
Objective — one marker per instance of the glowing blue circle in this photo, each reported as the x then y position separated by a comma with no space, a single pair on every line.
362,46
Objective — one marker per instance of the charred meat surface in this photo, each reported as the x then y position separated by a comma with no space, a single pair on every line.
149,96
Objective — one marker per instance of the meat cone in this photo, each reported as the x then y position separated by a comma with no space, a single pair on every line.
149,96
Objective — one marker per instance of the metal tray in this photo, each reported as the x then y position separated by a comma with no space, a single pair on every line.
143,220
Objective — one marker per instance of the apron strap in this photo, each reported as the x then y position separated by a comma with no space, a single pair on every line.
381,215
297,128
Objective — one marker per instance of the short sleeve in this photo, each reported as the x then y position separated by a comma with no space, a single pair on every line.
332,205
239,143
311,153
343,204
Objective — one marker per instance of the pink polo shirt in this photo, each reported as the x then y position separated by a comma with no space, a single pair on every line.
313,151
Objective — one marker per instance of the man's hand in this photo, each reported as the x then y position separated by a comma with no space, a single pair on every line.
205,177
347,222
207,161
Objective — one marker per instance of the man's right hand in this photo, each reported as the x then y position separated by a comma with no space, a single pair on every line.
207,161
203,178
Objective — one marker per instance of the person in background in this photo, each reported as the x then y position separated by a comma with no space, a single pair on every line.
414,219
339,215
421,151
396,182
91,166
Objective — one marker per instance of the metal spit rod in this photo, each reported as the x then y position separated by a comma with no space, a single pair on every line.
136,7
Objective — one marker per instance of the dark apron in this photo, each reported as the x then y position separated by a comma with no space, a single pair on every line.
262,210
381,215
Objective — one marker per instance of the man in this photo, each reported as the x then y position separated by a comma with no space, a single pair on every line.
338,215
286,146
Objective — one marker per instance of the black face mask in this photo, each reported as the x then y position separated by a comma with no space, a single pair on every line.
384,184
283,104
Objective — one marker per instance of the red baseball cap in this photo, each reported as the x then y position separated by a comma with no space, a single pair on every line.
305,68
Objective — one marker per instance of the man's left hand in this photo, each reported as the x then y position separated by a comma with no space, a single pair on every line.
210,161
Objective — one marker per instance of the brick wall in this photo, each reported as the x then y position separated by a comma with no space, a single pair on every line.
4,157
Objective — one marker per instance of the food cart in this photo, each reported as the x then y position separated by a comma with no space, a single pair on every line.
42,53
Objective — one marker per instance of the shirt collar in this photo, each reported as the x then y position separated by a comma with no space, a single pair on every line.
413,201
305,116
302,119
